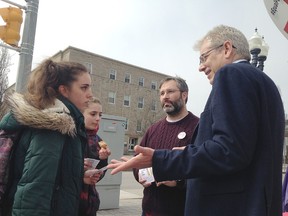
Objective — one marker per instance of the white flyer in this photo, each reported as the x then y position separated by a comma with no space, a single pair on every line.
146,174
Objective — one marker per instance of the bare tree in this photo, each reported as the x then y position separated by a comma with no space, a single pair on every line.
4,70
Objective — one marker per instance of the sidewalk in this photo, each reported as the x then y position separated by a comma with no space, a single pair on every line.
130,200
129,205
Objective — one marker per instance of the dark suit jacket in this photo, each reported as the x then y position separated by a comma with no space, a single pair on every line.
234,166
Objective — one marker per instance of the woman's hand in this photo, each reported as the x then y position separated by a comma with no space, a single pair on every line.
92,176
104,153
87,165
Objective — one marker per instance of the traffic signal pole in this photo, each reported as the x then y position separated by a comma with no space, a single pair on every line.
15,4
27,45
28,37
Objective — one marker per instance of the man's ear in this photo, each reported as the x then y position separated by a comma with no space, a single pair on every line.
185,94
63,90
228,48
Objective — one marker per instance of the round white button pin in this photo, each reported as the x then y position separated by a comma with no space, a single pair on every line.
181,135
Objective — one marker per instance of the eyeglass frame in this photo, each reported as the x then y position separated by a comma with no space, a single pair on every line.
203,57
169,92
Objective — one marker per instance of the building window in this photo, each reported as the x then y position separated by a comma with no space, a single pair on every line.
140,102
141,81
89,67
127,78
138,127
111,97
112,74
154,85
126,100
132,143
153,105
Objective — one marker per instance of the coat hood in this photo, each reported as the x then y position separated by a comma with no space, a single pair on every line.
56,117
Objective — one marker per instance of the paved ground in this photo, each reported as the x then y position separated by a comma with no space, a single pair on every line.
130,198
129,205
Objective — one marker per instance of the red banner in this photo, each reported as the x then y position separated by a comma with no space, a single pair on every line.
286,27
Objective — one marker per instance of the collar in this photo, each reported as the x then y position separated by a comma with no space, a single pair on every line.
240,60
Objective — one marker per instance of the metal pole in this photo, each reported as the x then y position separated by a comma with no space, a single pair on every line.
27,46
10,47
255,53
261,60
15,4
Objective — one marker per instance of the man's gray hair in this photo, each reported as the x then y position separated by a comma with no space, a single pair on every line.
219,34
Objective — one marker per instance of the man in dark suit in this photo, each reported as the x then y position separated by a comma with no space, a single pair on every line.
234,166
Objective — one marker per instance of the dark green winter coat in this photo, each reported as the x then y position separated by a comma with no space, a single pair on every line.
48,170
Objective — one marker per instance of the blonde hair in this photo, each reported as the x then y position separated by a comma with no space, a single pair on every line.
95,100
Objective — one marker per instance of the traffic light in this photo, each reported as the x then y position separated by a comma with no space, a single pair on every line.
10,33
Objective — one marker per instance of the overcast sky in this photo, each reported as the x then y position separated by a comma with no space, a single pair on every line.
155,34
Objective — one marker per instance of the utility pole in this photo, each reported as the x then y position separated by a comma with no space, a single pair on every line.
28,37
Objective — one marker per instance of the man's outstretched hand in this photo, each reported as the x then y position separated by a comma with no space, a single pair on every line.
142,160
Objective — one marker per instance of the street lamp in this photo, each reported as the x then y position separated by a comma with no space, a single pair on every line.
258,49
263,54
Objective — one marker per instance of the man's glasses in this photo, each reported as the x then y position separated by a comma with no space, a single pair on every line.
168,92
203,57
